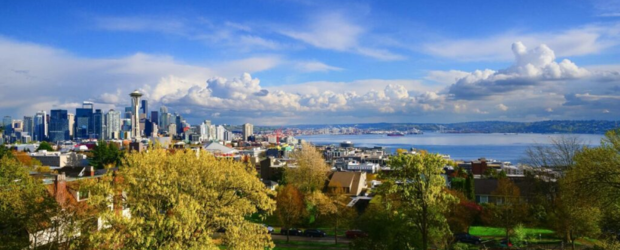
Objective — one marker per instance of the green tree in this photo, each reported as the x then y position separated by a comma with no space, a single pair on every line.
415,190
45,146
178,200
470,187
290,207
509,209
106,154
25,205
309,177
340,215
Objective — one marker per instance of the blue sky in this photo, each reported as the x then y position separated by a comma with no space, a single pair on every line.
291,62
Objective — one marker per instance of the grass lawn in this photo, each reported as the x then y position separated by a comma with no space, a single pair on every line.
500,232
283,245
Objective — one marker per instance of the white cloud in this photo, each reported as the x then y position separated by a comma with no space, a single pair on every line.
531,68
502,107
315,66
335,32
586,40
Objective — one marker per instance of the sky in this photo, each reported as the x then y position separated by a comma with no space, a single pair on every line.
283,62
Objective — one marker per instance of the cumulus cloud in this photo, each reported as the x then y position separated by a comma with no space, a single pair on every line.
502,107
531,68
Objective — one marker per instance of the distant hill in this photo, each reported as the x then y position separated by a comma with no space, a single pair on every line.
559,126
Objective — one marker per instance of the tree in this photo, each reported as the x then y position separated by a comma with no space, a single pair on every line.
509,209
470,187
414,190
311,171
178,200
309,177
106,154
25,159
290,207
45,146
25,205
340,214
462,215
573,217
559,154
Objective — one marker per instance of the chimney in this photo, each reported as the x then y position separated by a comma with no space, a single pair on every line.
91,170
60,188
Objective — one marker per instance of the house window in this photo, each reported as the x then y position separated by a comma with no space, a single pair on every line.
82,195
484,199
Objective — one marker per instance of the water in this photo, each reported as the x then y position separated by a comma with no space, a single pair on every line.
503,147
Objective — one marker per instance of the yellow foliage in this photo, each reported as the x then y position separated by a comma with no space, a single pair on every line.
178,200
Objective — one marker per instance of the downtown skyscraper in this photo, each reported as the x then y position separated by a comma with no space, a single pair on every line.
59,125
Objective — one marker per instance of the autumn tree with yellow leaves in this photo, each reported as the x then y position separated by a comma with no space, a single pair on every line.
180,200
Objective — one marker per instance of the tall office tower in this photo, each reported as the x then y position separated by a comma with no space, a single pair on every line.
71,118
248,130
144,109
7,122
59,125
40,126
128,113
155,117
28,125
98,121
179,123
163,117
150,129
113,124
84,124
135,119
219,133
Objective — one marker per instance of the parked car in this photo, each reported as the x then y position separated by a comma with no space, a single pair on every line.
291,231
467,238
269,228
352,234
314,233
505,243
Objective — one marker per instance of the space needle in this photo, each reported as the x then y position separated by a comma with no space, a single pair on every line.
135,117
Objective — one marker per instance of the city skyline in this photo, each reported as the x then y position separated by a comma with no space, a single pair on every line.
298,62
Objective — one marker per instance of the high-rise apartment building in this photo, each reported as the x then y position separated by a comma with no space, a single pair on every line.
248,130
59,125
113,124
220,130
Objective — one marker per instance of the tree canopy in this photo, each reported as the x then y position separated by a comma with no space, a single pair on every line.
106,154
179,200
415,190
45,146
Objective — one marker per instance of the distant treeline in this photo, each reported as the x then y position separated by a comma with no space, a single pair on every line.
563,126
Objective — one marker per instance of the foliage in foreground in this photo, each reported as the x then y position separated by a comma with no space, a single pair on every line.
178,200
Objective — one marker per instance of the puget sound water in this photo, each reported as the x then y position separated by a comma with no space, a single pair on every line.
497,146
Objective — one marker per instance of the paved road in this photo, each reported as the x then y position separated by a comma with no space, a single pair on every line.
328,239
